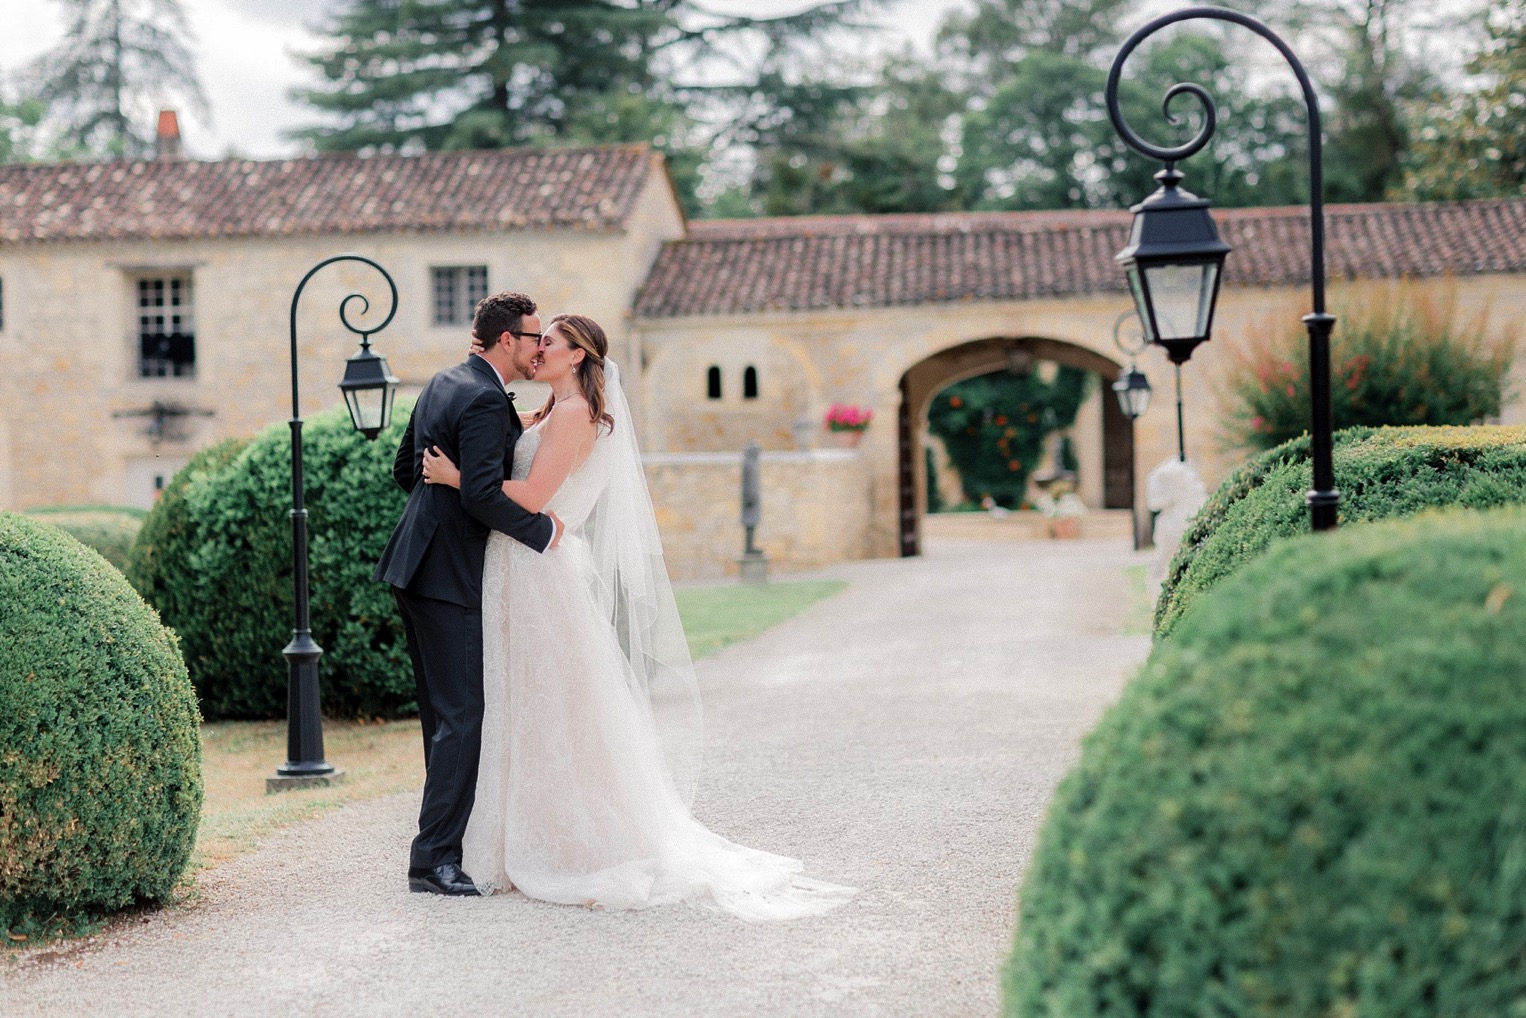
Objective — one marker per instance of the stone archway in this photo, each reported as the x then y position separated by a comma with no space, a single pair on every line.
925,379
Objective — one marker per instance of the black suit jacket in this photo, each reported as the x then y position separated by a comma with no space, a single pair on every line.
438,546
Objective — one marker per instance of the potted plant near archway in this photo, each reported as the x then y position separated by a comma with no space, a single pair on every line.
847,423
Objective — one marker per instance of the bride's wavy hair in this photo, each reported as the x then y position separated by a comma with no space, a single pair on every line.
587,334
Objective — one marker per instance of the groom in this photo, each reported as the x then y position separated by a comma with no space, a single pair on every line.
434,563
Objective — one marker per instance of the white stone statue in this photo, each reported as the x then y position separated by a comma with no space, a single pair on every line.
1175,491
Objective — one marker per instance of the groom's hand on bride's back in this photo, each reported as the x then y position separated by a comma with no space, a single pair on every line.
559,528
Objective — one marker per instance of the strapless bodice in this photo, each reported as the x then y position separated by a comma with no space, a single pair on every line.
575,499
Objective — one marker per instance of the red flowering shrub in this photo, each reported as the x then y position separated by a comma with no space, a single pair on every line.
1403,358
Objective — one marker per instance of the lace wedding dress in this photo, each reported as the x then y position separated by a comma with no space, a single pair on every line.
590,733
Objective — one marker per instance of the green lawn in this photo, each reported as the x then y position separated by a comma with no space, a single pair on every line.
715,617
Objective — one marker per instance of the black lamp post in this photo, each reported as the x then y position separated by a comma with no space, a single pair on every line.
1175,257
368,389
1133,391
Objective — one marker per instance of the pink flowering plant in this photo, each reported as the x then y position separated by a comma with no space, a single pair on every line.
847,417
1404,356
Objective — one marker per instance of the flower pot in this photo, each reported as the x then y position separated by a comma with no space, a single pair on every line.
847,438
1065,527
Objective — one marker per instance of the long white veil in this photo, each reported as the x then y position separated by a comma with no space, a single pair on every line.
633,591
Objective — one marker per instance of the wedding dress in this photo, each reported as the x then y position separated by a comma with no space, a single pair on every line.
591,725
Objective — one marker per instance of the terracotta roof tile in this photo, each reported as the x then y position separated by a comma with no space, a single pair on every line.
817,262
508,189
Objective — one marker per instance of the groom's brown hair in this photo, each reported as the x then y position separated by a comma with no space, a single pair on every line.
500,313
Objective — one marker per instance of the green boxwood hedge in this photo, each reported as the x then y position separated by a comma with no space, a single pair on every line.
100,758
109,529
158,564
1312,801
215,559
1381,473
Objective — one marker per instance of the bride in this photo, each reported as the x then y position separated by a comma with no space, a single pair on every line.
591,732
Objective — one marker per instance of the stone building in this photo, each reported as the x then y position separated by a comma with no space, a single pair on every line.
144,314
885,311
167,284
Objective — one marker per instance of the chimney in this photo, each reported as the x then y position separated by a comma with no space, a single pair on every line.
167,140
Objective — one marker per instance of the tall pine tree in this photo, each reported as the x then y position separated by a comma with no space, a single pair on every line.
450,74
1471,145
118,61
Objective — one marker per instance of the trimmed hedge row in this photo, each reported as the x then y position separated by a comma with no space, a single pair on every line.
215,558
158,566
1312,801
109,529
100,757
1381,473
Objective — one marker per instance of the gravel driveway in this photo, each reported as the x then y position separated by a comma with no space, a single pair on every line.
903,737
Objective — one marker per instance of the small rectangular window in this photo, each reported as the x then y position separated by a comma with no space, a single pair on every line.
457,289
166,328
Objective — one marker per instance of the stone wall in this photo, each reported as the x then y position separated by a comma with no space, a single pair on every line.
816,509
809,360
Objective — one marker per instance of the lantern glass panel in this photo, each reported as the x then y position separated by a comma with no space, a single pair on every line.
1141,305
1182,298
1133,392
367,406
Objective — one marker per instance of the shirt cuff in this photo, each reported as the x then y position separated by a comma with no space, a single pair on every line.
554,529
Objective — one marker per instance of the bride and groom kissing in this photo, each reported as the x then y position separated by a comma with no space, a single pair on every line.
556,691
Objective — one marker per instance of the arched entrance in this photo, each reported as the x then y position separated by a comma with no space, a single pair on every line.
923,380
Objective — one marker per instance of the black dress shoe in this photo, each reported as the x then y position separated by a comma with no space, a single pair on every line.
445,878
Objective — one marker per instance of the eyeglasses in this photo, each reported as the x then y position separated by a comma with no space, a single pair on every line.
532,335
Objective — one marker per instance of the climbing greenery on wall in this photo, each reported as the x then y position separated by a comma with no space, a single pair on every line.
994,427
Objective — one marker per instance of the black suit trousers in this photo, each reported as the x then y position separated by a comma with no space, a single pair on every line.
445,643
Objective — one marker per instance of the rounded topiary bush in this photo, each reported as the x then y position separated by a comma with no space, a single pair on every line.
215,558
1312,801
100,758
1382,473
167,541
109,529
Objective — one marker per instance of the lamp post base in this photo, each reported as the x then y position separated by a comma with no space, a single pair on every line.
292,782
753,569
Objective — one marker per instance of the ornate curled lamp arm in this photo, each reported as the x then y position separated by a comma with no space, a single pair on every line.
1210,118
344,313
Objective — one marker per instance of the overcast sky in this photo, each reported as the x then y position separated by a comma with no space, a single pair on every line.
245,50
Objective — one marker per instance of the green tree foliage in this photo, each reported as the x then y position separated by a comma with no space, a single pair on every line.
827,148
1470,145
1404,357
100,758
19,130
994,427
215,559
1381,473
1370,81
1310,800
1000,30
934,496
119,60
1040,137
461,74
